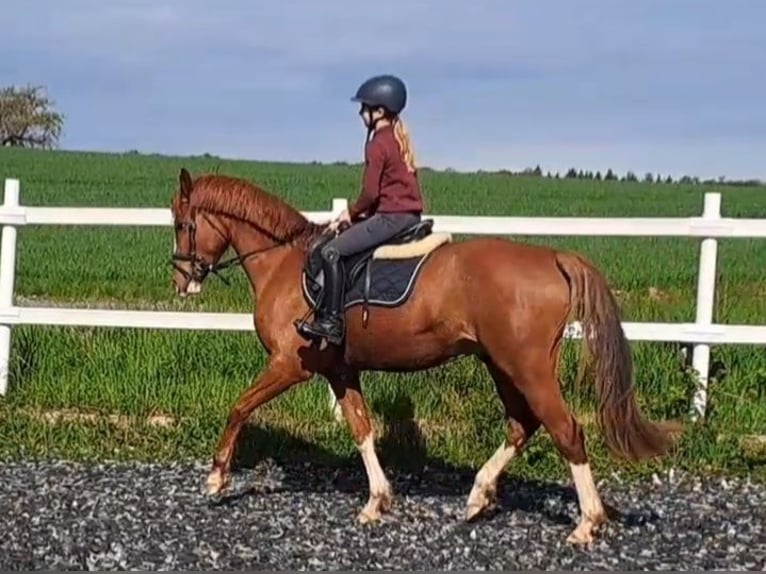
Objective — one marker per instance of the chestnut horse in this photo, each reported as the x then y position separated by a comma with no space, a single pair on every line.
506,303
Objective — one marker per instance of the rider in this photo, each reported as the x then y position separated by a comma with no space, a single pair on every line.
389,203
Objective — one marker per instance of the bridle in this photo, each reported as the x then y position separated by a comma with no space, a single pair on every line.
200,268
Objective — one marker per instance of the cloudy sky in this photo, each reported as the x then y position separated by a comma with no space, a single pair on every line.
675,86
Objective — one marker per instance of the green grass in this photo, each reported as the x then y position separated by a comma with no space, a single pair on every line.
194,377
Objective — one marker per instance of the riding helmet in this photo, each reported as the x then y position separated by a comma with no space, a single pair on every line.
387,91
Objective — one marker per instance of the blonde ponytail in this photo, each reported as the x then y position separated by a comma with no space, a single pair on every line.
405,144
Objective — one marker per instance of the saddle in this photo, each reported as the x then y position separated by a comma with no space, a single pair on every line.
356,263
386,271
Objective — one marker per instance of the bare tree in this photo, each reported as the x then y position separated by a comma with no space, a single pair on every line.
28,118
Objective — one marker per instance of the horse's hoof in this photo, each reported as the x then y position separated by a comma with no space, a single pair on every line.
368,516
472,511
479,501
580,536
216,482
375,506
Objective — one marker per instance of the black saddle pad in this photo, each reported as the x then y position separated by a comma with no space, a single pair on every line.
387,283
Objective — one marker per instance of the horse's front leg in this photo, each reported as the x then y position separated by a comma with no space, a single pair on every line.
281,373
348,391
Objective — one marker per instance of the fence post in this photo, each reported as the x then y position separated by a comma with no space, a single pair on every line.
338,205
705,304
7,278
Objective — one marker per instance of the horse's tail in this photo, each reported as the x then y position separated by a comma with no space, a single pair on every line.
627,432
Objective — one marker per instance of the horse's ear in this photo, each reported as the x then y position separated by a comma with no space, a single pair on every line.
185,184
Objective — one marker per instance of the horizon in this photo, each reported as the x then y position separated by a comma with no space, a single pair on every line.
658,88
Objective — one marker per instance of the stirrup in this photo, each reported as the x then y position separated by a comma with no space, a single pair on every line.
317,330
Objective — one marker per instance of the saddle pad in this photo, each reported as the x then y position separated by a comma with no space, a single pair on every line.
391,283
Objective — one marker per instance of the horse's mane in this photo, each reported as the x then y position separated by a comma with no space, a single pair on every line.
240,199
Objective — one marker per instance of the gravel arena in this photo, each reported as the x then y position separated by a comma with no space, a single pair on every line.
68,516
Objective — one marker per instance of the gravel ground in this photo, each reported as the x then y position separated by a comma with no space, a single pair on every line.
60,515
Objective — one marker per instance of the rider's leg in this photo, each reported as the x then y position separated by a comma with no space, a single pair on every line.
361,236
371,232
329,320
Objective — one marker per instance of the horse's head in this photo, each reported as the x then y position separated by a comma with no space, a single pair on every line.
199,240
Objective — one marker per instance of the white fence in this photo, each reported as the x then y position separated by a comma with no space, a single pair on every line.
701,333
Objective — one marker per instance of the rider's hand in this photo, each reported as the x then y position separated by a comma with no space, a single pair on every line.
342,218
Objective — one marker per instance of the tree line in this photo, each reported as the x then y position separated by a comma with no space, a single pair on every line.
629,176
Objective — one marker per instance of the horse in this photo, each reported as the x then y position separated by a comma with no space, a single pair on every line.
414,303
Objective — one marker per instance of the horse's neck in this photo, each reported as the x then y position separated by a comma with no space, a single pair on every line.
262,257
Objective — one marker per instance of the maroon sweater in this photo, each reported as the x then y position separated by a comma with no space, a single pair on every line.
387,186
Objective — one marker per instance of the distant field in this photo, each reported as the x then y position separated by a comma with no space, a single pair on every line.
193,378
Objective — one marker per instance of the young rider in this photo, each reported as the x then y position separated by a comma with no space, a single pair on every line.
389,203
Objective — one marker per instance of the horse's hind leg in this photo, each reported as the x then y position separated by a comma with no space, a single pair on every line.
534,371
521,424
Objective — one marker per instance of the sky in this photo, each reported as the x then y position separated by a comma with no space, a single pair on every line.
669,86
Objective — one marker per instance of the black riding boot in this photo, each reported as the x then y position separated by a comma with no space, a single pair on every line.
328,320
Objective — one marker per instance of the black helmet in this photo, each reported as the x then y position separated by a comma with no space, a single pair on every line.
387,91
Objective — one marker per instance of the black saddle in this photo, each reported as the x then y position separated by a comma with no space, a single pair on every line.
355,264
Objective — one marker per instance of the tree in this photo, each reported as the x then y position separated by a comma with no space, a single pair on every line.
28,118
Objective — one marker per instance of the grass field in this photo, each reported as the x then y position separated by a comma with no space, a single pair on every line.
130,381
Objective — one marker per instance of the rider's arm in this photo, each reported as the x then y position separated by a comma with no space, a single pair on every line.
373,170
